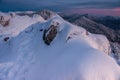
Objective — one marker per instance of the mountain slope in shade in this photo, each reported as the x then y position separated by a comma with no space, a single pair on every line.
95,25
72,54
106,25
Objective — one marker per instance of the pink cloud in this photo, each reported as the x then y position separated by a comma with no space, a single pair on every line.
110,12
117,10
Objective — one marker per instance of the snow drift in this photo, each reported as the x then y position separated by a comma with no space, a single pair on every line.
72,54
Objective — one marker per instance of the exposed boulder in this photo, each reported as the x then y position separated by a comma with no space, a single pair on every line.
4,19
50,33
6,39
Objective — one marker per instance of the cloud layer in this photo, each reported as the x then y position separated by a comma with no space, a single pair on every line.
8,5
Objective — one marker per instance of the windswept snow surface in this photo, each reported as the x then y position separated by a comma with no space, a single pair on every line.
18,23
74,54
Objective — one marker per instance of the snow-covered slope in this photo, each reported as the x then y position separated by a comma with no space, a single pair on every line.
18,23
105,25
73,53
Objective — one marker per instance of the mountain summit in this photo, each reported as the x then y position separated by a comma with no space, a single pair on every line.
49,48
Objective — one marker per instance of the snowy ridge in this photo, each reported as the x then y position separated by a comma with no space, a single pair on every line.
18,23
73,54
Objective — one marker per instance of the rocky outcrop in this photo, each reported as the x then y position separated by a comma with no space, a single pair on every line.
50,33
6,39
4,20
116,50
46,14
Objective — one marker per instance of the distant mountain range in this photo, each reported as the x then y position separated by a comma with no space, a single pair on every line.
106,25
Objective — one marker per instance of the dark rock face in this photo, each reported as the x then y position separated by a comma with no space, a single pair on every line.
116,49
46,14
96,28
109,21
49,34
4,22
6,39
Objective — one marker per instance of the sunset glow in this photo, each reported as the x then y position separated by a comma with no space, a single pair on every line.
110,12
117,10
102,7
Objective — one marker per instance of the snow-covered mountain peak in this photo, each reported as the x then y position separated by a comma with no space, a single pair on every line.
52,27
53,49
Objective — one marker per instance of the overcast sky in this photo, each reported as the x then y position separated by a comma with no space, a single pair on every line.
55,5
